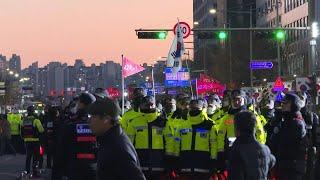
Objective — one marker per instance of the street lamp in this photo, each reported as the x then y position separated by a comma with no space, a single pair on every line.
264,80
314,30
11,72
212,11
196,23
16,75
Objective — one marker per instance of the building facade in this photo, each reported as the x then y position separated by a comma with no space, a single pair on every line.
296,47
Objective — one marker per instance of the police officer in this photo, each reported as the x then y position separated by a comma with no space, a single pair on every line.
152,137
226,131
30,131
290,141
75,157
194,144
138,95
15,125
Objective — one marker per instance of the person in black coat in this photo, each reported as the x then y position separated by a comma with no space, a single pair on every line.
117,158
249,160
290,141
75,155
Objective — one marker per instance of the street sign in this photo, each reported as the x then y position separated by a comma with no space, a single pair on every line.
261,65
185,29
278,85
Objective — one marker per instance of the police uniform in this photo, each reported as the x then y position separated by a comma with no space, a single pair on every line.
15,125
195,146
30,131
76,150
127,117
153,140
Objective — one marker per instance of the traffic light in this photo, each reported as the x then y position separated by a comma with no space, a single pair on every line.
152,35
221,35
280,34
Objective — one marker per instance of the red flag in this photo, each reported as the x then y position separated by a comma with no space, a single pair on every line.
129,68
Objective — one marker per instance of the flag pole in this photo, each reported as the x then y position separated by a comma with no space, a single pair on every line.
153,88
122,84
197,88
189,74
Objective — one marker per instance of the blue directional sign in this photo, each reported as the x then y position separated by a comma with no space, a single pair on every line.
261,65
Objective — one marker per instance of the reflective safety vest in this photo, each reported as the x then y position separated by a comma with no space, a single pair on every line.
226,130
15,123
29,130
127,117
152,138
85,142
195,141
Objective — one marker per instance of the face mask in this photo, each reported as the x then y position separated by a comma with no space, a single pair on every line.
74,109
211,110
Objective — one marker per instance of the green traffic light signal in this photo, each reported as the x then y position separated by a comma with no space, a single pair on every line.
162,35
280,35
222,35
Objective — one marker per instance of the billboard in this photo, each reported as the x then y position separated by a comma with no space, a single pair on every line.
180,79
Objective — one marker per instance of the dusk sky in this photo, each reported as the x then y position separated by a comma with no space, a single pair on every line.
93,30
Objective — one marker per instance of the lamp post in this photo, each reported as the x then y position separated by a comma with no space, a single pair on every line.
214,11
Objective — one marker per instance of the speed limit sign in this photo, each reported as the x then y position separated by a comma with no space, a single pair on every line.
185,29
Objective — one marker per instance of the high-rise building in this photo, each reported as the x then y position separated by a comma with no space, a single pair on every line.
292,13
55,79
226,60
15,63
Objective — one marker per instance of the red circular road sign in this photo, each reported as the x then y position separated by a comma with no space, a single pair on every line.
185,29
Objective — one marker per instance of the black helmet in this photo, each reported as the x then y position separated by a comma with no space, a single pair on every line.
30,109
86,98
100,93
138,92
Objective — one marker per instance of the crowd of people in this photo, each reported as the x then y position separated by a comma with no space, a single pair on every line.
230,137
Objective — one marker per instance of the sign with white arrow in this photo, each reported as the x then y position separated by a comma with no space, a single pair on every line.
261,65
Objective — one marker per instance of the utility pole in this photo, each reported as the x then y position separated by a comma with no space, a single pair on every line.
278,42
251,51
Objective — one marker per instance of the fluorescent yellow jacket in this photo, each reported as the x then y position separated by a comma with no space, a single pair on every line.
128,116
226,130
151,127
15,123
195,142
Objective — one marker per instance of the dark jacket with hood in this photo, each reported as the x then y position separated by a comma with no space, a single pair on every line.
289,141
249,160
117,158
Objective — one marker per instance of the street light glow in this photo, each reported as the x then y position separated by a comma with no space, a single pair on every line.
11,72
213,11
280,34
314,30
16,75
196,23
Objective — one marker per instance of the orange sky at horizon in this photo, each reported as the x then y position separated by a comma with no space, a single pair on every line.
95,30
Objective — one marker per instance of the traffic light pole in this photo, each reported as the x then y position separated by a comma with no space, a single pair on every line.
278,42
251,50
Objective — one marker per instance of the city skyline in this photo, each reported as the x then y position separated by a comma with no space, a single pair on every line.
47,31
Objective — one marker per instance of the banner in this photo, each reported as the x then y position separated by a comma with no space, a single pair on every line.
207,84
130,68
113,92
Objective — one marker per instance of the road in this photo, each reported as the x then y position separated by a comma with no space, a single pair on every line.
12,166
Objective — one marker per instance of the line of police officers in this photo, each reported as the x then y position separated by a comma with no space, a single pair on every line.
188,139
